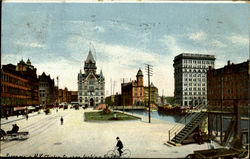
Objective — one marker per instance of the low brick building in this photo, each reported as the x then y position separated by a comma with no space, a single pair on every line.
133,92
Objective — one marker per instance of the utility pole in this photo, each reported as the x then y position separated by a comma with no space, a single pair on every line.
114,88
111,87
149,71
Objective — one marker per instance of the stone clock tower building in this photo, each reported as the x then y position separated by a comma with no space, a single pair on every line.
91,86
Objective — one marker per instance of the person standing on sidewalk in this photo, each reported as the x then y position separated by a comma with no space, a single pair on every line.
61,120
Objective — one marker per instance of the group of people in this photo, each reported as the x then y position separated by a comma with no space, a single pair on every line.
14,129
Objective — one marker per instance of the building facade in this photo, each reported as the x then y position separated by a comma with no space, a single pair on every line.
153,94
133,92
19,88
47,90
91,86
229,86
190,74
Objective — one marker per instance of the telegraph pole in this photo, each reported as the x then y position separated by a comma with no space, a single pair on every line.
149,71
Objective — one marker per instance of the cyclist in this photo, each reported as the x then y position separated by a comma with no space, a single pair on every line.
119,145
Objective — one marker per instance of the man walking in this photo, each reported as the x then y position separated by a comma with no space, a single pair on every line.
119,145
61,120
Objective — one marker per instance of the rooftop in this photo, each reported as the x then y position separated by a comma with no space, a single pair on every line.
194,56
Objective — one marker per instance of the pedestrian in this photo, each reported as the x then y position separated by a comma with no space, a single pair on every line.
119,146
61,120
27,116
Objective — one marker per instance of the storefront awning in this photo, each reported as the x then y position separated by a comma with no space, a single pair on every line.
19,108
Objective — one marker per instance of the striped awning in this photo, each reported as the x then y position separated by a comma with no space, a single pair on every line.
19,108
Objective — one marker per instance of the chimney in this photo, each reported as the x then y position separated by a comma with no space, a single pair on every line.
228,62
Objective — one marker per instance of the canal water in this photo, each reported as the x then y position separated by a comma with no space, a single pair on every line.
173,118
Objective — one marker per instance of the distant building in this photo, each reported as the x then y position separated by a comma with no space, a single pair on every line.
74,96
91,86
110,100
229,86
19,88
162,100
153,94
133,92
190,78
47,93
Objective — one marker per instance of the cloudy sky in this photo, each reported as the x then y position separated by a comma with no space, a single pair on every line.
57,37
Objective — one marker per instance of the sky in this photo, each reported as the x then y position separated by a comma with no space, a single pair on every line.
123,37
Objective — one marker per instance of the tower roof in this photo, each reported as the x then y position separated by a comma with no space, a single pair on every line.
90,58
139,73
28,62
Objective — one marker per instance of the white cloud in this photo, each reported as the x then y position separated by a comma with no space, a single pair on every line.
217,43
64,69
239,39
30,44
171,43
10,58
198,36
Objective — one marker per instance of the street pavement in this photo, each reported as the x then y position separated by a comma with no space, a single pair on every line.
78,138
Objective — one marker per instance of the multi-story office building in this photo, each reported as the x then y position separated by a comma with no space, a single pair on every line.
91,86
190,74
229,86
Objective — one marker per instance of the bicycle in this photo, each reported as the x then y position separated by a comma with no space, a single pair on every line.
115,154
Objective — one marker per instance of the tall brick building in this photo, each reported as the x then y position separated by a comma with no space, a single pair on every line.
19,88
133,92
228,85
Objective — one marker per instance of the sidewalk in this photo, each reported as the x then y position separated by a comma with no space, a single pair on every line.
15,118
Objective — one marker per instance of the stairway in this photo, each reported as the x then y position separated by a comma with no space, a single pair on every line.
189,128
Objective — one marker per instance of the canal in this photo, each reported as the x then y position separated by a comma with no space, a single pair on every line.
173,118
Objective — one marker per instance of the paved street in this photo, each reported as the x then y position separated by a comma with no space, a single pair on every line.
78,138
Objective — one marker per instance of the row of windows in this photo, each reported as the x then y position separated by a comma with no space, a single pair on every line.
91,93
15,101
198,61
194,93
9,79
43,84
194,75
190,88
194,66
15,91
195,79
42,95
90,88
194,84
135,91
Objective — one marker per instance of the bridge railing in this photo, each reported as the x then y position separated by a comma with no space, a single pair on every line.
184,121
